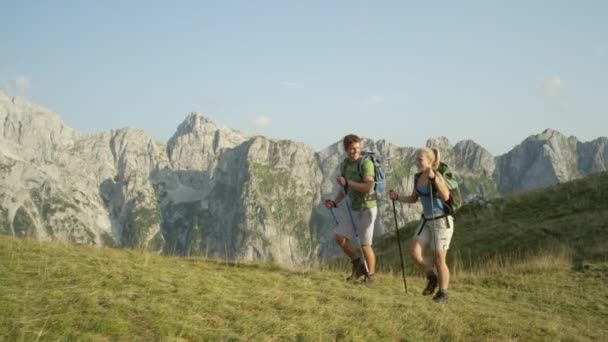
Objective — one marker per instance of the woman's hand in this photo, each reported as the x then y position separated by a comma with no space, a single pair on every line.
330,204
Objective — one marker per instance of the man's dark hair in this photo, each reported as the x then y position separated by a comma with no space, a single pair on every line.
349,139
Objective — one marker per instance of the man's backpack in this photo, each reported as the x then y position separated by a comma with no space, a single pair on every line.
379,176
455,201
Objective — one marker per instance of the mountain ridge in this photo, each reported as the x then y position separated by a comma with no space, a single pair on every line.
220,192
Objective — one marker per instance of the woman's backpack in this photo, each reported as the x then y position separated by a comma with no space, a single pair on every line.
455,201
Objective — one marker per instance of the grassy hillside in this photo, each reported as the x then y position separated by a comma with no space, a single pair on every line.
52,291
513,279
571,216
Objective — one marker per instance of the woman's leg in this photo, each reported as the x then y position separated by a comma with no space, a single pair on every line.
417,254
442,269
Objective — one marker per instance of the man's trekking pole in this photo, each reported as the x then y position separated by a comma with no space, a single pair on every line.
334,215
399,243
352,220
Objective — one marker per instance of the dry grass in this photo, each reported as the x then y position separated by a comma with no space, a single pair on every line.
54,291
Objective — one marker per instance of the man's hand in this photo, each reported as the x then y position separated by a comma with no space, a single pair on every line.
341,180
393,195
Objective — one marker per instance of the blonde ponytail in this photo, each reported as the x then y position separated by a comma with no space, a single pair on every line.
436,157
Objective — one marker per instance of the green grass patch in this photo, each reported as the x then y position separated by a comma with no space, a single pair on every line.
53,291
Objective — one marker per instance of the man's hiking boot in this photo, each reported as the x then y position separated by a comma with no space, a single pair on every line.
441,297
358,270
369,280
431,284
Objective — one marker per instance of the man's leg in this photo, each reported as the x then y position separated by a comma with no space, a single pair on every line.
358,268
370,257
343,242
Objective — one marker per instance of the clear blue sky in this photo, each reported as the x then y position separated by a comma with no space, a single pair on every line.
312,71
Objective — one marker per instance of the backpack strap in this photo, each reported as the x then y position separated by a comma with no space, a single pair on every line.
360,165
447,205
416,178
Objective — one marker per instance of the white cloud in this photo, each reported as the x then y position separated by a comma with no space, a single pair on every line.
19,84
262,121
288,84
553,87
375,99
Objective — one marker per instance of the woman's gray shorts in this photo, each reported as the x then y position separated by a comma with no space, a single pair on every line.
443,229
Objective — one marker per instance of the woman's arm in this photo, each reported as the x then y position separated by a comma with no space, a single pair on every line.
440,186
405,199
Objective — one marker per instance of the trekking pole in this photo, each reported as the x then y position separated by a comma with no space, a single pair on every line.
352,220
334,215
399,243
433,218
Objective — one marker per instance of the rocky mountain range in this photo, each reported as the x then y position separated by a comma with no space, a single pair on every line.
221,193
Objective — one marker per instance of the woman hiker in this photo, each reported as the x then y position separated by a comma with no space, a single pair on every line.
437,225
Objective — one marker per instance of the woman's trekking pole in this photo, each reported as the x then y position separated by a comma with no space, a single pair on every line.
352,220
399,243
433,229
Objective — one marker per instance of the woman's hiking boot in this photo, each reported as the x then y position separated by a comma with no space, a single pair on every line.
369,280
358,270
441,297
431,284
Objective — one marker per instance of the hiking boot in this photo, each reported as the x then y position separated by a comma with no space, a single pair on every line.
441,297
358,270
431,284
369,280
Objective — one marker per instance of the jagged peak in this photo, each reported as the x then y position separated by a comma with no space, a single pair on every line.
30,124
196,120
469,144
546,135
194,123
550,133
197,117
23,105
130,132
438,142
278,142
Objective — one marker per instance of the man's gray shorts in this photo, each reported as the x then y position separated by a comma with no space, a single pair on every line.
364,221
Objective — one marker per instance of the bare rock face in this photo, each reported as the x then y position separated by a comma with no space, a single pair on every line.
540,160
475,167
220,193
592,156
30,125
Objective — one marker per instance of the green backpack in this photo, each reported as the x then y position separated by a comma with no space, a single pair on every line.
455,201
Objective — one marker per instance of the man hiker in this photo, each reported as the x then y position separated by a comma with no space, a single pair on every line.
358,183
437,224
